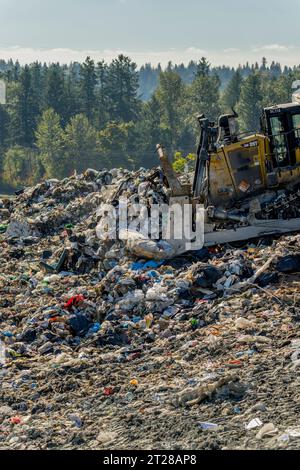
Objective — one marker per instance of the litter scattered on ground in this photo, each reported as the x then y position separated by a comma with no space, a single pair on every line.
208,426
254,423
102,348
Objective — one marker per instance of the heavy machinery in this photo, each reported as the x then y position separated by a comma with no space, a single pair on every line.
249,183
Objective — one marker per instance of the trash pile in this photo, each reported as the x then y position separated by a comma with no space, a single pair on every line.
104,349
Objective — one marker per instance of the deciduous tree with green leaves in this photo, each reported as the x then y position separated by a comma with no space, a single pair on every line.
21,166
115,143
81,145
50,143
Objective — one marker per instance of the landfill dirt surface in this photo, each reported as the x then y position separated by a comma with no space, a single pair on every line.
101,350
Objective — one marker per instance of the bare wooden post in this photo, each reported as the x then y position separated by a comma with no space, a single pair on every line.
174,183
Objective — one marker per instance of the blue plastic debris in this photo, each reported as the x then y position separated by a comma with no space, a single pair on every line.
7,334
95,328
152,274
138,266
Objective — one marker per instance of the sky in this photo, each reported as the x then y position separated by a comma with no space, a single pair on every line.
225,31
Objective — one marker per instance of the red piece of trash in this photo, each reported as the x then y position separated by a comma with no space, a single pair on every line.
74,302
15,420
135,356
56,320
108,391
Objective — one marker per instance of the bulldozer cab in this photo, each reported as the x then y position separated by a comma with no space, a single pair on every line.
282,125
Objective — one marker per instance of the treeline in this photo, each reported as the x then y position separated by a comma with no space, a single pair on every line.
62,118
149,75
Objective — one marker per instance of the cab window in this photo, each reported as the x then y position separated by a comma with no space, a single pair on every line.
296,127
278,138
296,121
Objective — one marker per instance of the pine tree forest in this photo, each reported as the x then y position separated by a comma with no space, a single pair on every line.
59,119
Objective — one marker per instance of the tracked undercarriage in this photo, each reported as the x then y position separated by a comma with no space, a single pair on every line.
249,185
280,214
244,186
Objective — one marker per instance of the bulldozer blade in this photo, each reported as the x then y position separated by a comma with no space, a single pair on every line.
258,228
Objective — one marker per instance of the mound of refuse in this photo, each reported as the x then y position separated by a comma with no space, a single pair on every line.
103,347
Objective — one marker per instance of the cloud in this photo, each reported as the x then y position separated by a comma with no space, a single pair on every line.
287,55
231,50
273,48
195,50
64,55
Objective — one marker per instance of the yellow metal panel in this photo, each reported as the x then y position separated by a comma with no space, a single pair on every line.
288,176
238,168
221,184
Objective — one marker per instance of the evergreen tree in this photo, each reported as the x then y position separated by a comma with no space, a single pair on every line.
202,68
102,94
150,133
275,69
148,81
38,85
49,141
55,91
264,64
232,93
72,98
169,96
27,109
250,103
88,85
203,97
123,84
4,122
125,112
16,71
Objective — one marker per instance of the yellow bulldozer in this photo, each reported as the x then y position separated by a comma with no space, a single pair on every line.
249,184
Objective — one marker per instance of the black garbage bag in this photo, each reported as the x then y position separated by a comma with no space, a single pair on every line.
79,324
28,335
289,264
200,255
113,338
266,279
208,277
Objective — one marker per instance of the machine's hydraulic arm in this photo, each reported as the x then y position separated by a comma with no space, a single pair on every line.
202,157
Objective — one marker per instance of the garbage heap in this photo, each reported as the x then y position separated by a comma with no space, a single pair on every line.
196,351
